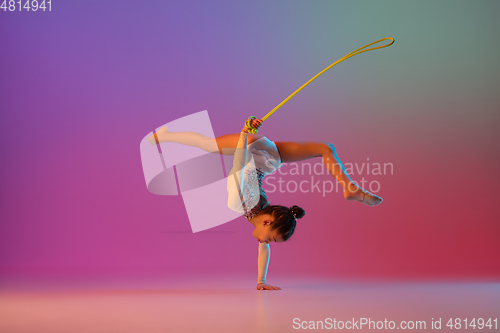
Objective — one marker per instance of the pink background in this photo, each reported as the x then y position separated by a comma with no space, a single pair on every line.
80,87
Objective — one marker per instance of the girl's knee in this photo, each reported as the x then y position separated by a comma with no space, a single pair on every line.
328,148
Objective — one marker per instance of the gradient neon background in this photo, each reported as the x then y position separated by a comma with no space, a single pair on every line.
81,85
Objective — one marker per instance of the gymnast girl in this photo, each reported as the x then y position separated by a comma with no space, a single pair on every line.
272,223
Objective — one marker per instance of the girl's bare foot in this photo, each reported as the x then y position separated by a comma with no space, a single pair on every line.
162,134
357,193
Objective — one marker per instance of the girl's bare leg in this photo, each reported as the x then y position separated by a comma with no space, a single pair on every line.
224,144
300,151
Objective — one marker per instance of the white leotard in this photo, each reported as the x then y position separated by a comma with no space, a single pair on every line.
262,159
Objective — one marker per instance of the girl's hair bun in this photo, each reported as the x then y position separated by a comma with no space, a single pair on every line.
297,212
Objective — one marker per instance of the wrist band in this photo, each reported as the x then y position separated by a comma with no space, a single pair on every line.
243,137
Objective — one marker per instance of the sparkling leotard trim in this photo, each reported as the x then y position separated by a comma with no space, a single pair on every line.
259,199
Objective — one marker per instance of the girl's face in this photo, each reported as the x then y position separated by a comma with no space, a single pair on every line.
263,232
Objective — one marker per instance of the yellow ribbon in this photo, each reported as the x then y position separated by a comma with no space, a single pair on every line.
347,56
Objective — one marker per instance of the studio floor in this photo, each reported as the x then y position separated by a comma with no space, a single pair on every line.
229,304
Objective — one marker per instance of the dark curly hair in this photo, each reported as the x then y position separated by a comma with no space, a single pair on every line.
285,219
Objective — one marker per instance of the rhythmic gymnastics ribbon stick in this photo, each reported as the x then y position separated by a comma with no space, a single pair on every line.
347,56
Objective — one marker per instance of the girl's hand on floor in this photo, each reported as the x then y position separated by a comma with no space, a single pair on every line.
265,286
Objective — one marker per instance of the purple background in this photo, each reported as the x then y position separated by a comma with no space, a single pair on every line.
82,85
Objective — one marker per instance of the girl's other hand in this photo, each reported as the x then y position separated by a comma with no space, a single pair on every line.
255,123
